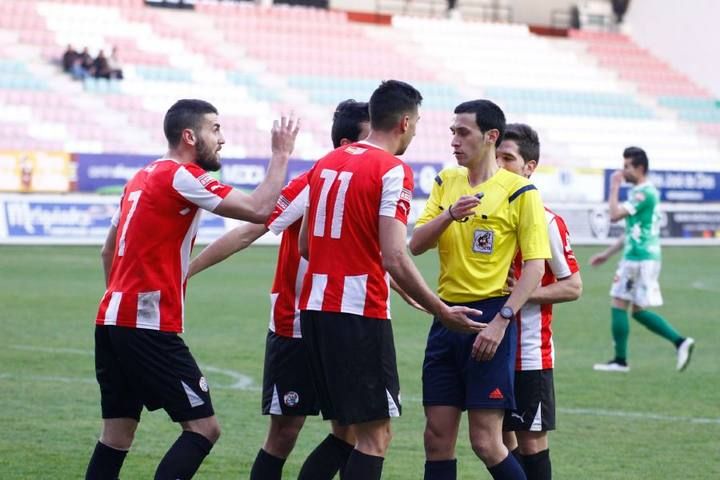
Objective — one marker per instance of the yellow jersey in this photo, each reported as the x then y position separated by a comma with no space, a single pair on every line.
475,256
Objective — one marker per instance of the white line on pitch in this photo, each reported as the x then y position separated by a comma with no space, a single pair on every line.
596,412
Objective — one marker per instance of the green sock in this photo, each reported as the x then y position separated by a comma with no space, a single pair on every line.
658,325
620,332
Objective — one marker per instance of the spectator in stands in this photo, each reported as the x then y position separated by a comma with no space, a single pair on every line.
100,67
68,58
86,62
114,64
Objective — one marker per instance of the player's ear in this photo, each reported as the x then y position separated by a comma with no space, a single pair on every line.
530,167
405,123
188,136
492,136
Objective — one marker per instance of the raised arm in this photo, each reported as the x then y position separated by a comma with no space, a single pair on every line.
617,211
231,242
426,236
257,206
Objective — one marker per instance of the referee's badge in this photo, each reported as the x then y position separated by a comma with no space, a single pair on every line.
483,241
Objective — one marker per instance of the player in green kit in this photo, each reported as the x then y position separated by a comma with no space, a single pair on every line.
636,279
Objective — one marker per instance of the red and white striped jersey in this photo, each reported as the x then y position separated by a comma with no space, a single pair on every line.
156,226
350,188
535,344
291,267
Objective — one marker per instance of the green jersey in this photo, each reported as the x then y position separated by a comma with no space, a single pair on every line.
642,225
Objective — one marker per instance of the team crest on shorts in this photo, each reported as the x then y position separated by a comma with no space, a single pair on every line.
483,242
291,399
203,384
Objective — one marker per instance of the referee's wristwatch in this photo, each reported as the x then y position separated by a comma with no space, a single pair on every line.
507,313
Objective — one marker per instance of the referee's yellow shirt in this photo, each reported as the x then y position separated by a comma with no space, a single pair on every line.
475,256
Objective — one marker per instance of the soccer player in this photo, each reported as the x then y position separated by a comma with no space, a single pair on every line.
353,234
526,427
636,279
140,359
477,216
288,392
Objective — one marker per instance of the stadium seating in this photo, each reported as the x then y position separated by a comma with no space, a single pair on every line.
589,95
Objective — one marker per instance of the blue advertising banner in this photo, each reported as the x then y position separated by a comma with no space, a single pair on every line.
77,220
677,186
97,172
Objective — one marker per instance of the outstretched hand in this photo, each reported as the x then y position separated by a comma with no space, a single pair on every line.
458,319
284,133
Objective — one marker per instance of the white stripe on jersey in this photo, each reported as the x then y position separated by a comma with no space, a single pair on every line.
292,213
354,294
531,337
558,263
302,269
194,191
148,310
112,309
392,188
317,291
273,299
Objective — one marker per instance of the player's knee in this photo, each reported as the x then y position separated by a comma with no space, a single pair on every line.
484,449
283,437
118,440
437,443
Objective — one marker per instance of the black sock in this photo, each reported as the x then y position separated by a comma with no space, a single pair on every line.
363,467
441,469
184,457
621,361
105,463
267,467
508,469
519,457
679,341
537,466
326,460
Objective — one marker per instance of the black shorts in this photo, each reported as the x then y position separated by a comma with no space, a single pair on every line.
535,398
138,367
352,359
288,388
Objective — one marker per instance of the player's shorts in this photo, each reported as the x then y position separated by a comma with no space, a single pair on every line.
451,377
637,282
288,388
137,367
535,398
352,359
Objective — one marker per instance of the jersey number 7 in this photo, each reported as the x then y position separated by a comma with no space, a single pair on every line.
329,177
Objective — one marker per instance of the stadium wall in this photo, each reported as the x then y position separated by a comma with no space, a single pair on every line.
531,12
680,33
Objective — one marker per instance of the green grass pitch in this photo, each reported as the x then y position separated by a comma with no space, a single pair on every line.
652,423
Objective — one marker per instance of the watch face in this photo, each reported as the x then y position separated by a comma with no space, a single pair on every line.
506,312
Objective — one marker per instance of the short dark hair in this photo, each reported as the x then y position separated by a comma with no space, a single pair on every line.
638,157
390,101
526,139
488,116
185,113
347,118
